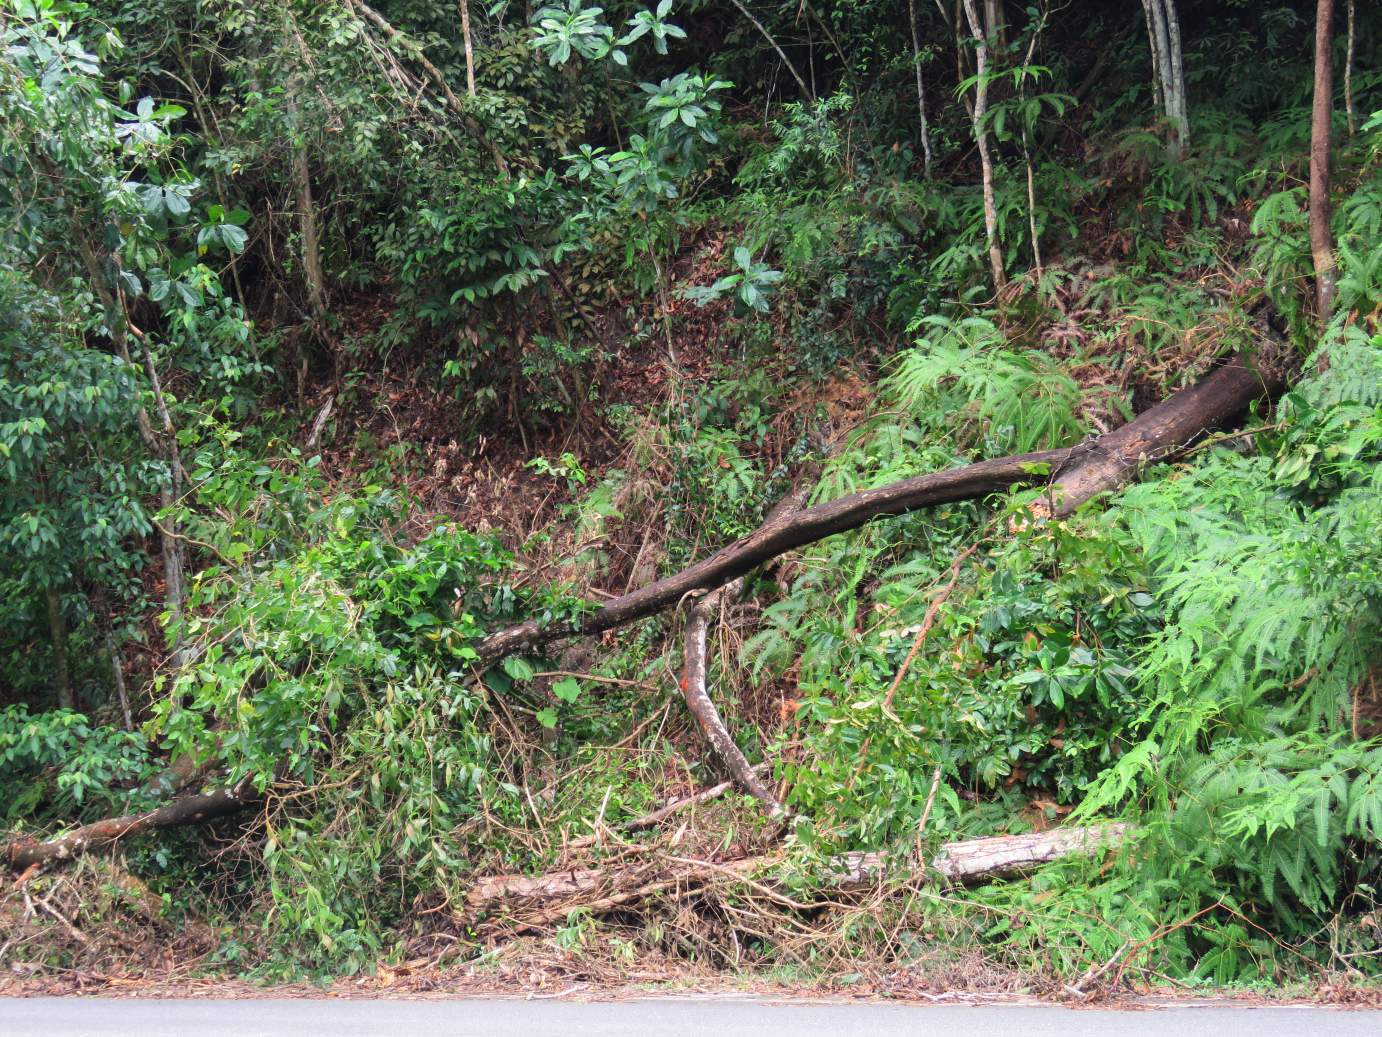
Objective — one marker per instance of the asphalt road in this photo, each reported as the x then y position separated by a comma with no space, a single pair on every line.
111,1017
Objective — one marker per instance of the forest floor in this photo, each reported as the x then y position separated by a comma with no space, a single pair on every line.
526,980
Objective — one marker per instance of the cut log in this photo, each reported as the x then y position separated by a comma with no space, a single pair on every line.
525,901
976,861
195,810
1075,475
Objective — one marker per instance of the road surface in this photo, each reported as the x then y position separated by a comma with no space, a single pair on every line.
668,1017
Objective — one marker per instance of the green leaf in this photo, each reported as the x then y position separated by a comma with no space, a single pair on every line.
517,667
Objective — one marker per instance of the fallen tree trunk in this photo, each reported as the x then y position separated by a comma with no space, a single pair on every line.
194,810
1112,461
520,901
1075,475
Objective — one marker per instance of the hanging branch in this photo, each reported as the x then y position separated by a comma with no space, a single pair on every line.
927,622
805,90
468,120
698,698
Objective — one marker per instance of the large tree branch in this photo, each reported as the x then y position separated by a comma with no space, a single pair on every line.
1075,475
195,810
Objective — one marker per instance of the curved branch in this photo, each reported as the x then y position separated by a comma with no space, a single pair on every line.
698,698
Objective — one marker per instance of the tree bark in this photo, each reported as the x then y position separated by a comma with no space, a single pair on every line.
57,628
1075,474
1321,130
702,706
1115,459
118,326
981,96
195,810
118,671
1179,113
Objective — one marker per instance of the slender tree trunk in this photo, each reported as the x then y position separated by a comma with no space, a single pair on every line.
57,628
307,215
921,87
981,95
1321,128
1154,41
1348,73
1027,148
469,49
119,326
174,558
119,672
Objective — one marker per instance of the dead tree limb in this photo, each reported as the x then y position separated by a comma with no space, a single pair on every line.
698,697
525,901
1075,475
195,810
640,824
435,74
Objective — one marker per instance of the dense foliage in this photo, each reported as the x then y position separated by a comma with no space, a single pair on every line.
334,336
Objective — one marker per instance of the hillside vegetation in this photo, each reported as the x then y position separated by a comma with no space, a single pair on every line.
373,376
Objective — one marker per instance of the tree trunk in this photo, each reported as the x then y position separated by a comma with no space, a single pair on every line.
57,628
1179,113
1075,473
119,327
119,673
1155,43
174,557
698,698
981,95
307,214
1321,129
1167,428
921,87
1348,74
